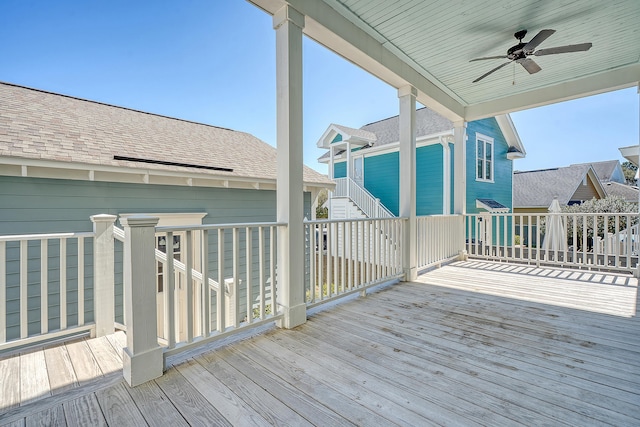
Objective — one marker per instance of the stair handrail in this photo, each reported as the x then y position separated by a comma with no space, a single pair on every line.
362,198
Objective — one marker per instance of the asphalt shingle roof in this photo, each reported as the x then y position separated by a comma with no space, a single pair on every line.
538,188
427,123
627,192
604,169
41,125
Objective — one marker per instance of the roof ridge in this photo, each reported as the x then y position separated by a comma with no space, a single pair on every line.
115,106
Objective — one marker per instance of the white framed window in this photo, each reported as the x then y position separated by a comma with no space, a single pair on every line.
484,158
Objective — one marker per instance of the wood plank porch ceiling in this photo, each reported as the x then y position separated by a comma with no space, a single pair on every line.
428,44
473,343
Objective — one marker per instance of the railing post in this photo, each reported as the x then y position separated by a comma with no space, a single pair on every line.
142,358
103,274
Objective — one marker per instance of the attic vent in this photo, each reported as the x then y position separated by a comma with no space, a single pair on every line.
162,162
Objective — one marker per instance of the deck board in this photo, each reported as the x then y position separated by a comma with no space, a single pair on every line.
472,343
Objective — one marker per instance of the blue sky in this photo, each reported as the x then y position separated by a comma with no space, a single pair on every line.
214,62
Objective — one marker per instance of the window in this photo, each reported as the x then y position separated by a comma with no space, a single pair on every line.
484,158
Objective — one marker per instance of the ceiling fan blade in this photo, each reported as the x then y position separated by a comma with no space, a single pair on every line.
539,38
492,71
529,65
489,57
563,49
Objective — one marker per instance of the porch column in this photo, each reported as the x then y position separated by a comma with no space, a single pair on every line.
407,121
446,176
349,169
103,273
288,24
460,167
142,357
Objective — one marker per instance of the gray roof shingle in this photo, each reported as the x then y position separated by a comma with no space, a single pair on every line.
605,169
41,125
427,123
627,192
538,188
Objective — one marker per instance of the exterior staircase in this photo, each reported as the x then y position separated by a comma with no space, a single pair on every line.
350,201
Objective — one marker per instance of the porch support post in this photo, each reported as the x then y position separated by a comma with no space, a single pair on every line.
103,274
636,273
288,24
460,167
446,178
407,121
142,358
349,169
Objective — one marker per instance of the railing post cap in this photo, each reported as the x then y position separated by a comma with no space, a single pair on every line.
103,218
139,220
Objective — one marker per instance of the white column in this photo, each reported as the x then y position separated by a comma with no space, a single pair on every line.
407,123
331,163
103,274
636,273
142,358
349,170
460,167
288,24
446,176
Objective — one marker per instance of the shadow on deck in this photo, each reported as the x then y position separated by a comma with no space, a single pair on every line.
472,343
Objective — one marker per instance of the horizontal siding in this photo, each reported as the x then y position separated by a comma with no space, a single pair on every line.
33,205
340,170
501,188
382,179
429,180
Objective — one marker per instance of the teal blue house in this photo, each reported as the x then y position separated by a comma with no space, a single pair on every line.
365,165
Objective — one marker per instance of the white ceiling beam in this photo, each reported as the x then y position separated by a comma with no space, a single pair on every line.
334,31
565,91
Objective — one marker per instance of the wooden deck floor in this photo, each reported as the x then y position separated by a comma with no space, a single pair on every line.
472,343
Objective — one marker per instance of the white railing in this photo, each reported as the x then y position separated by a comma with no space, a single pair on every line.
439,238
368,204
44,279
345,256
592,241
193,309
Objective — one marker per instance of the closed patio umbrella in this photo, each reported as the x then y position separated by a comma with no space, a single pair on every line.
555,236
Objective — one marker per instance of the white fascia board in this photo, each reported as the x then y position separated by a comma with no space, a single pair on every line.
607,81
332,25
631,153
511,134
395,146
89,172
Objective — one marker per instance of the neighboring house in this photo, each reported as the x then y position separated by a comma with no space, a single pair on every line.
533,191
63,159
365,165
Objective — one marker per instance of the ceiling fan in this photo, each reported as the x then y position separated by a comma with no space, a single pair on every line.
520,53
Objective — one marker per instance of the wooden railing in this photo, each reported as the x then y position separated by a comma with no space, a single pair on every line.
192,306
346,256
35,269
591,241
439,238
368,204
